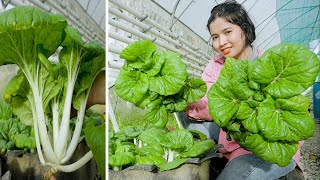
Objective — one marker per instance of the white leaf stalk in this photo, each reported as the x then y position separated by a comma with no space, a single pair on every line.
35,85
55,121
76,134
36,136
60,152
178,121
113,118
71,167
24,47
60,146
73,70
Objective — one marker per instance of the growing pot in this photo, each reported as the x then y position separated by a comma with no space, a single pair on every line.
185,172
25,166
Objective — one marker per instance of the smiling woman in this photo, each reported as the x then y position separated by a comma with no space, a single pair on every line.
228,39
232,34
232,31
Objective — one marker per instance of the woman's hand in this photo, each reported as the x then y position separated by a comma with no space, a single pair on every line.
97,94
198,111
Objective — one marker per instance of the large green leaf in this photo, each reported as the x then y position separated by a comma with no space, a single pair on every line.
275,152
158,117
196,88
171,77
132,132
147,98
226,71
156,113
281,125
222,104
156,61
88,73
248,116
198,148
173,164
131,85
25,141
17,94
296,104
154,149
239,80
5,110
24,30
180,105
138,53
95,137
150,160
179,139
289,68
153,135
121,159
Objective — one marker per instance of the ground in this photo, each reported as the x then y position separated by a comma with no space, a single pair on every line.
310,155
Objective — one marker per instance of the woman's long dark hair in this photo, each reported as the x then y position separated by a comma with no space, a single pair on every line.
234,13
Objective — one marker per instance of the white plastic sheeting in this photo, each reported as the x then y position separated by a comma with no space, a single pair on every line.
294,21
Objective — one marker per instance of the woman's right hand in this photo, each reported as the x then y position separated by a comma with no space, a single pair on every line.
198,111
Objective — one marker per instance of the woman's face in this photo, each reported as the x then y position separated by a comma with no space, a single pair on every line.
227,39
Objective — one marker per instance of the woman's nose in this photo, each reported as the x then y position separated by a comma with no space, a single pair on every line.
222,41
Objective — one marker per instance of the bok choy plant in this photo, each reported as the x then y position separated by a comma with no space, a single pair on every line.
259,103
13,133
155,146
43,93
157,81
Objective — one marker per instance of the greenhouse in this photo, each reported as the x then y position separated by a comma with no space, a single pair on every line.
51,54
196,89
149,112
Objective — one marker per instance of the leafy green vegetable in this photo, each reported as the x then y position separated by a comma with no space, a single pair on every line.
25,141
6,144
173,164
156,81
5,110
150,160
292,70
95,137
154,146
14,134
198,148
131,85
259,104
138,53
171,77
42,93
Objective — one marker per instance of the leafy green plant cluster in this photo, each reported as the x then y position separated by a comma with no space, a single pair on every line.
259,103
13,133
154,146
94,132
156,81
43,93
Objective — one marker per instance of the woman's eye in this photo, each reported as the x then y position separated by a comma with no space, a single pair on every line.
214,38
228,32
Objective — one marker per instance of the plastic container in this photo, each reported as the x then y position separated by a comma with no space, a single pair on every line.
316,100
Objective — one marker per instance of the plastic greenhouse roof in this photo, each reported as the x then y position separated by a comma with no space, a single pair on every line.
299,20
96,9
295,21
87,15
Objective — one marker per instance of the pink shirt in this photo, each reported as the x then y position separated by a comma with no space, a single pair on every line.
199,111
